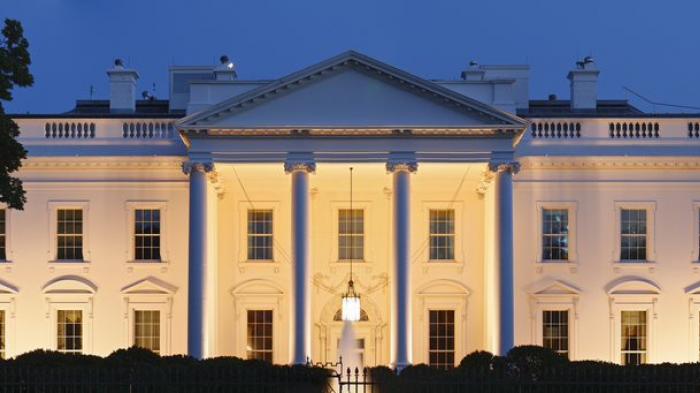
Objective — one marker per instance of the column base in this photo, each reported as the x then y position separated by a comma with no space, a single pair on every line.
399,367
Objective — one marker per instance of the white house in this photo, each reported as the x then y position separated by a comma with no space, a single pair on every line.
219,221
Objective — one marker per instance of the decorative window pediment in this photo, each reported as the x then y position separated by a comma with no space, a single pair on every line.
443,288
554,288
149,286
73,285
7,288
633,287
256,287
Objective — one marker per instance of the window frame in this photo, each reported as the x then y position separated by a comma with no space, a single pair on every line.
53,207
432,235
369,233
554,296
646,336
272,339
454,335
572,208
461,232
271,235
632,298
130,208
650,208
260,294
149,294
278,218
85,306
82,330
7,304
164,310
8,234
362,235
568,326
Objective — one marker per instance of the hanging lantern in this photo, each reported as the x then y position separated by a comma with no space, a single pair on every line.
351,300
351,304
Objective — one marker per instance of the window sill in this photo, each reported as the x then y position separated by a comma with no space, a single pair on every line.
641,264
147,264
541,266
449,264
250,263
69,264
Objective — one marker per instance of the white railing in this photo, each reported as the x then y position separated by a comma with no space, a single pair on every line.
621,130
90,131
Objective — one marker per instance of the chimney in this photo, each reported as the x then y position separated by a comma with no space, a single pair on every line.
226,71
584,85
474,72
122,88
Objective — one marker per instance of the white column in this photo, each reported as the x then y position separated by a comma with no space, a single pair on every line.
197,278
301,285
504,204
401,284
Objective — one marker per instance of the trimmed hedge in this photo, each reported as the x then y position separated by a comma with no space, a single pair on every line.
139,370
532,369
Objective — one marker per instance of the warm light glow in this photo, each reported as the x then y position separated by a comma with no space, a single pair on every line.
351,308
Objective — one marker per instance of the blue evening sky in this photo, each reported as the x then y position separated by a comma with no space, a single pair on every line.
652,46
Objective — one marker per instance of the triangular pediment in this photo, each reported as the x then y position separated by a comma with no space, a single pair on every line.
149,286
350,91
555,288
7,288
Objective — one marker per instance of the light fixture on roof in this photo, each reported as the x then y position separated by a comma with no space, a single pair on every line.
351,300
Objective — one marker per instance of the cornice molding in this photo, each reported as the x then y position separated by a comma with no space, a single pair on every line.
583,163
102,163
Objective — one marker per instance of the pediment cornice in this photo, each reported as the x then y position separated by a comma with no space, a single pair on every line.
361,63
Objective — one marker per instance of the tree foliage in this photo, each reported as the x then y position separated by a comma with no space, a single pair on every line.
14,72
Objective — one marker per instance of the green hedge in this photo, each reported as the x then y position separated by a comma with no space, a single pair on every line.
532,369
137,370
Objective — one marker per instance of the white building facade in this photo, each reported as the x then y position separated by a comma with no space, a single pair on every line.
218,222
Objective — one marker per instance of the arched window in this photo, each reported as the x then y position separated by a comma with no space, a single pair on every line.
339,315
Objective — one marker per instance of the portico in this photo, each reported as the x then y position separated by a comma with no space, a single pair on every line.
418,147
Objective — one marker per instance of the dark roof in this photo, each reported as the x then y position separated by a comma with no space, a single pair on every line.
562,108
100,109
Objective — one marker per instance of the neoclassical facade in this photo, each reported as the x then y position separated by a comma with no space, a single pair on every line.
219,221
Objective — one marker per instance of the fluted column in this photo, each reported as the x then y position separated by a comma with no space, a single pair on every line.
197,278
401,284
299,170
504,203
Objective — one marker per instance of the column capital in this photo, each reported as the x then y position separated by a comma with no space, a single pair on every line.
197,166
304,165
402,165
498,166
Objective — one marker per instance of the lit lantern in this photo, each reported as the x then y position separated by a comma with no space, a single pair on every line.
351,304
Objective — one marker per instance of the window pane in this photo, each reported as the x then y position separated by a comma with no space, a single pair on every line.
69,234
147,329
259,335
633,235
260,235
69,331
555,235
555,331
351,233
633,337
147,234
441,338
442,234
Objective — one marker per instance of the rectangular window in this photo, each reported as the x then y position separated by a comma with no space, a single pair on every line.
634,337
555,235
260,335
351,234
3,235
260,235
442,339
147,329
147,234
69,331
633,235
555,331
442,234
2,335
69,234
